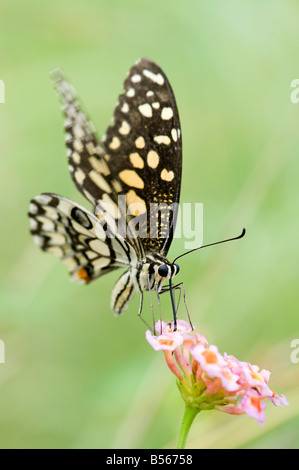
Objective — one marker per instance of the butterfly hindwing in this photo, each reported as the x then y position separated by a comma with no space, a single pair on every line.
86,245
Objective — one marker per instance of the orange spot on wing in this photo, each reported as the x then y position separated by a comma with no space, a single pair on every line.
83,275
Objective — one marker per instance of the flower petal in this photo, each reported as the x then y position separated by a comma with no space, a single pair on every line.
163,342
254,406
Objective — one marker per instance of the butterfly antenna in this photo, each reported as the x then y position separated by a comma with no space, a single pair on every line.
211,244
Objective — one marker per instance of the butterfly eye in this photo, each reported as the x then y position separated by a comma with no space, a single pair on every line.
163,270
177,267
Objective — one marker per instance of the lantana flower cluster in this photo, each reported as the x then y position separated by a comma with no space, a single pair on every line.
209,380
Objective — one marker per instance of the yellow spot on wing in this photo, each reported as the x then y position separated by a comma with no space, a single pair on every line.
162,139
167,113
80,176
155,77
174,134
131,92
125,108
90,148
152,159
78,145
99,165
136,205
136,160
167,175
131,178
76,157
115,143
117,186
125,128
146,110
99,180
140,143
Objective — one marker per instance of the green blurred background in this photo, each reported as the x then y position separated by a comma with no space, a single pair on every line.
76,376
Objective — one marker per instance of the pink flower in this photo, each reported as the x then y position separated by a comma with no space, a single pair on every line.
214,365
209,380
279,400
167,339
253,405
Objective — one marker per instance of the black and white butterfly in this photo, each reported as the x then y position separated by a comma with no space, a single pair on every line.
139,162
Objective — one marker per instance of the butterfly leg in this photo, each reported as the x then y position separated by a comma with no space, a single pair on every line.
159,305
140,312
151,301
179,287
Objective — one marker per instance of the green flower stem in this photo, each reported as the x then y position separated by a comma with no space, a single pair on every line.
188,418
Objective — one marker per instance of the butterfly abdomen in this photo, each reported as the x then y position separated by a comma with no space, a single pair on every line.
124,291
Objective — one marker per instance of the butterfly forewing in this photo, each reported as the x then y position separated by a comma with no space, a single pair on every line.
145,153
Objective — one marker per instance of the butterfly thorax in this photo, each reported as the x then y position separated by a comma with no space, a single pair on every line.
149,274
152,273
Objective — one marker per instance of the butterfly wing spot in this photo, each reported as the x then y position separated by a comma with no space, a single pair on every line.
44,199
81,218
130,178
131,92
136,78
155,77
47,225
117,186
33,208
99,166
167,175
70,263
78,145
33,224
79,176
100,247
115,143
167,113
136,205
156,105
83,276
153,159
39,241
174,135
57,251
125,128
100,181
136,160
56,239
140,142
125,108
162,139
91,149
76,158
146,110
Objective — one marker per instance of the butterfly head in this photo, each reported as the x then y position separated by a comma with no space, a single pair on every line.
168,271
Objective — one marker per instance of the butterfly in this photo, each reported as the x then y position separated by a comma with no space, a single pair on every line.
132,178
